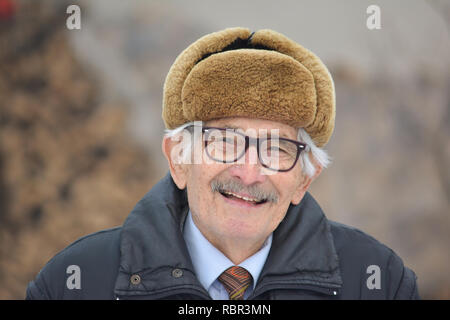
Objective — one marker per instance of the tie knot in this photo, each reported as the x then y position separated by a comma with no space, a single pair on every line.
235,280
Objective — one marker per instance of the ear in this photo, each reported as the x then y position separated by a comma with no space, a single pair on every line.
172,149
306,182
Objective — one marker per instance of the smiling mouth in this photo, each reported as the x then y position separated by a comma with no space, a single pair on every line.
237,197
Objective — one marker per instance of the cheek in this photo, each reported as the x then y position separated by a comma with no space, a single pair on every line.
199,191
297,194
280,213
290,188
196,186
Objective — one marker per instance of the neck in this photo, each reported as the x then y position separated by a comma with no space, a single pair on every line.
237,249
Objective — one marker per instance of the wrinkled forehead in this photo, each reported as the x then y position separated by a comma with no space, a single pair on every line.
256,126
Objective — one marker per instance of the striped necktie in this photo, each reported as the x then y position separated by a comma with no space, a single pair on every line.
235,280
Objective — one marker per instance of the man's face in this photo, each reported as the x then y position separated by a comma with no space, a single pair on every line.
221,213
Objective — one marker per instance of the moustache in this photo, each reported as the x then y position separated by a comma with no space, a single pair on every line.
235,186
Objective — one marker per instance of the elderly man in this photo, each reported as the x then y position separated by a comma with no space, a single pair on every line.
247,115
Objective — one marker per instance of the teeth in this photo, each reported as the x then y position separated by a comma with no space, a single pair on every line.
240,197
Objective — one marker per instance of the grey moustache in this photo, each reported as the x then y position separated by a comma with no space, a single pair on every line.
236,187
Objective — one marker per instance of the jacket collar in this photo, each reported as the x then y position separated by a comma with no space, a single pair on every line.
152,247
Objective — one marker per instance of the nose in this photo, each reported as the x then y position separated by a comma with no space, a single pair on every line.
249,170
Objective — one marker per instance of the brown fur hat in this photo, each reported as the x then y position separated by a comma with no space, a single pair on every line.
262,75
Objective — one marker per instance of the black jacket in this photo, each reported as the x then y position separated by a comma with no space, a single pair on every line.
147,258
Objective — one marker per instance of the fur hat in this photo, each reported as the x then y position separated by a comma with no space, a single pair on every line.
262,75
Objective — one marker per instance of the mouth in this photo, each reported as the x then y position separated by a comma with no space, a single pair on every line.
241,199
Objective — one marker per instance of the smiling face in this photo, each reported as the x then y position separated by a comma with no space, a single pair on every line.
239,202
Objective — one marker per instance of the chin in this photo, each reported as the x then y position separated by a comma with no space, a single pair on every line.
239,228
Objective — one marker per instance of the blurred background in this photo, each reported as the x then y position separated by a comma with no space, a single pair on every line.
81,127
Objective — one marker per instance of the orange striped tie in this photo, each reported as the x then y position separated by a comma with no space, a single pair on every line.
235,280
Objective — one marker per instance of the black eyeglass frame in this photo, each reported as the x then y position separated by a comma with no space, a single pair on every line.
249,140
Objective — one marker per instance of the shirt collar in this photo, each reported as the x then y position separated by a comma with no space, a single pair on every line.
209,262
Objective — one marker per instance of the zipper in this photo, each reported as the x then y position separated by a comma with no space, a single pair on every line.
193,294
328,289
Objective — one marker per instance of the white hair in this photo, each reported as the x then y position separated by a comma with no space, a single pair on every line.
320,155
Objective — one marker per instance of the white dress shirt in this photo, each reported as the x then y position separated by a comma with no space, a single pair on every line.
209,262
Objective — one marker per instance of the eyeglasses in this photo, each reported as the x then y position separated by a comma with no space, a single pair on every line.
228,146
